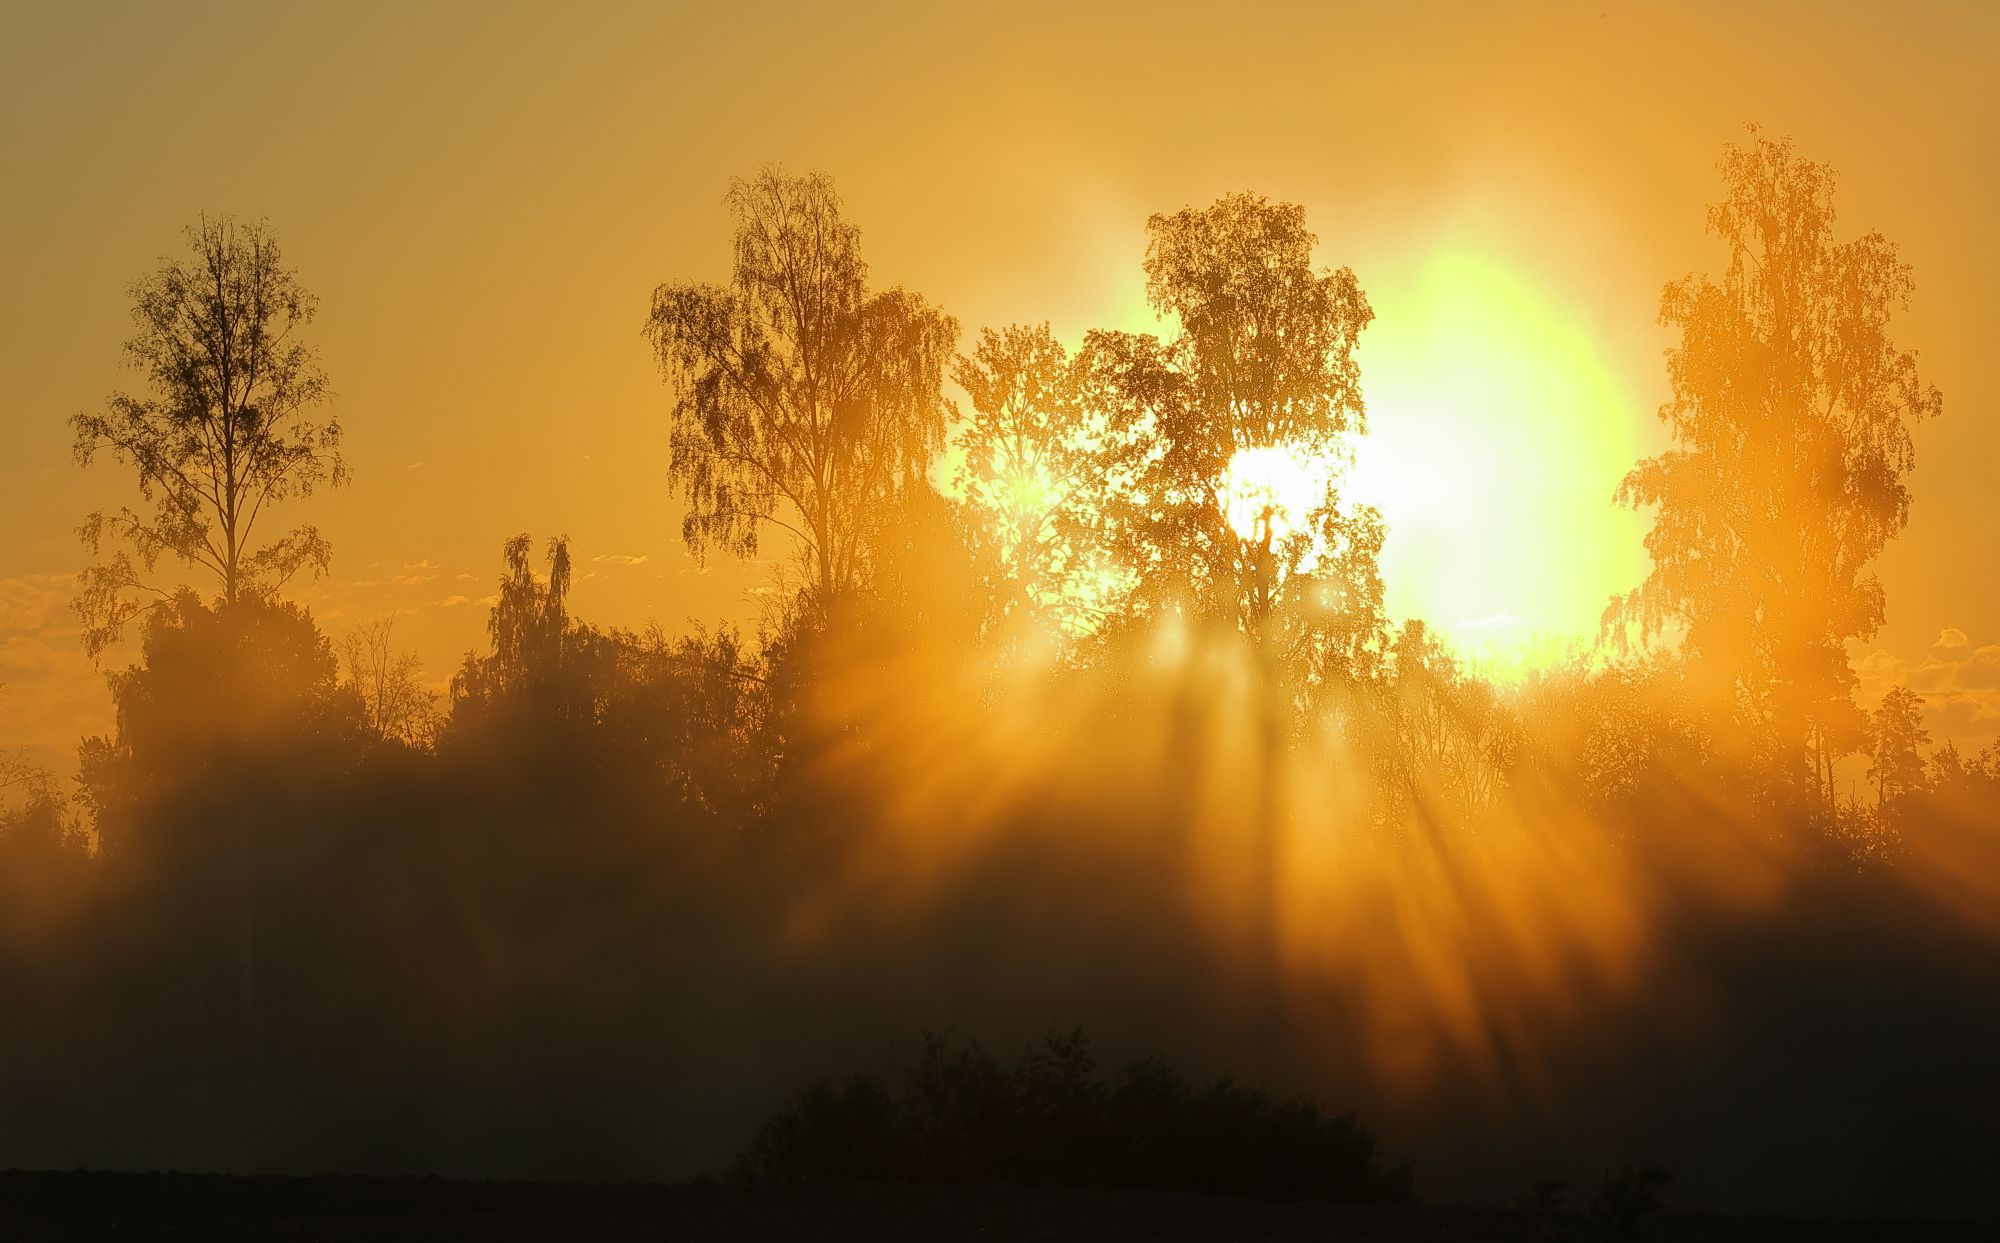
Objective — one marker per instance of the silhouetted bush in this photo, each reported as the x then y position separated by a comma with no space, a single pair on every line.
960,1116
1626,1201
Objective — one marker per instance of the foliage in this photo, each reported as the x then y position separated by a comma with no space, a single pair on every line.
531,945
22,780
227,431
1626,1204
1028,452
395,704
802,401
46,869
1452,742
214,686
527,936
1791,417
1626,1201
687,711
1896,742
1263,364
959,1116
533,639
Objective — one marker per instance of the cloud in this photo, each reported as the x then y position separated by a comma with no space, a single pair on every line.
453,601
416,573
1959,683
28,602
621,558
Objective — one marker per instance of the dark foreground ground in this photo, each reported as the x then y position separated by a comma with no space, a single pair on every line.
37,1206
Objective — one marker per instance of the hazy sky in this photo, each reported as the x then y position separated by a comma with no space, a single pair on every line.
484,198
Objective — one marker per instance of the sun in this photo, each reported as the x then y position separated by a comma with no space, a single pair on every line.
1497,434
1268,492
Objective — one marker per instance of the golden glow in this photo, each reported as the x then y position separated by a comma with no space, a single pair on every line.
1269,492
1024,490
1497,432
967,831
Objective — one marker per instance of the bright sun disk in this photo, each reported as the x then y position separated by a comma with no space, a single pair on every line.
1269,491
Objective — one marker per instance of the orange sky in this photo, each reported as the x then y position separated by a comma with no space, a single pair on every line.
483,198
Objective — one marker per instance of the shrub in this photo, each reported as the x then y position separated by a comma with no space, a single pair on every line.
960,1116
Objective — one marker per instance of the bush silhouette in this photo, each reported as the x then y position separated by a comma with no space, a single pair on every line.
960,1116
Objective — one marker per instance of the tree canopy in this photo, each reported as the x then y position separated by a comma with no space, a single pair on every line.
1029,452
802,400
1791,414
227,430
1229,507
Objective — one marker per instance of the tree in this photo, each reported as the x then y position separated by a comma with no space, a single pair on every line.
1027,453
802,401
1224,448
227,430
1453,738
1897,738
225,704
560,708
1946,769
1234,511
216,691
1791,413
21,777
394,701
532,635
45,870
17,774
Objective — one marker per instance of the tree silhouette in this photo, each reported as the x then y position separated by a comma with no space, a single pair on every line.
1791,413
1971,779
394,701
221,698
226,431
1896,742
960,1116
1223,449
1263,363
20,776
45,867
1454,741
533,639
562,710
802,401
212,684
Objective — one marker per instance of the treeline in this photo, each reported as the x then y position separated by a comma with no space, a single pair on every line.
1104,723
